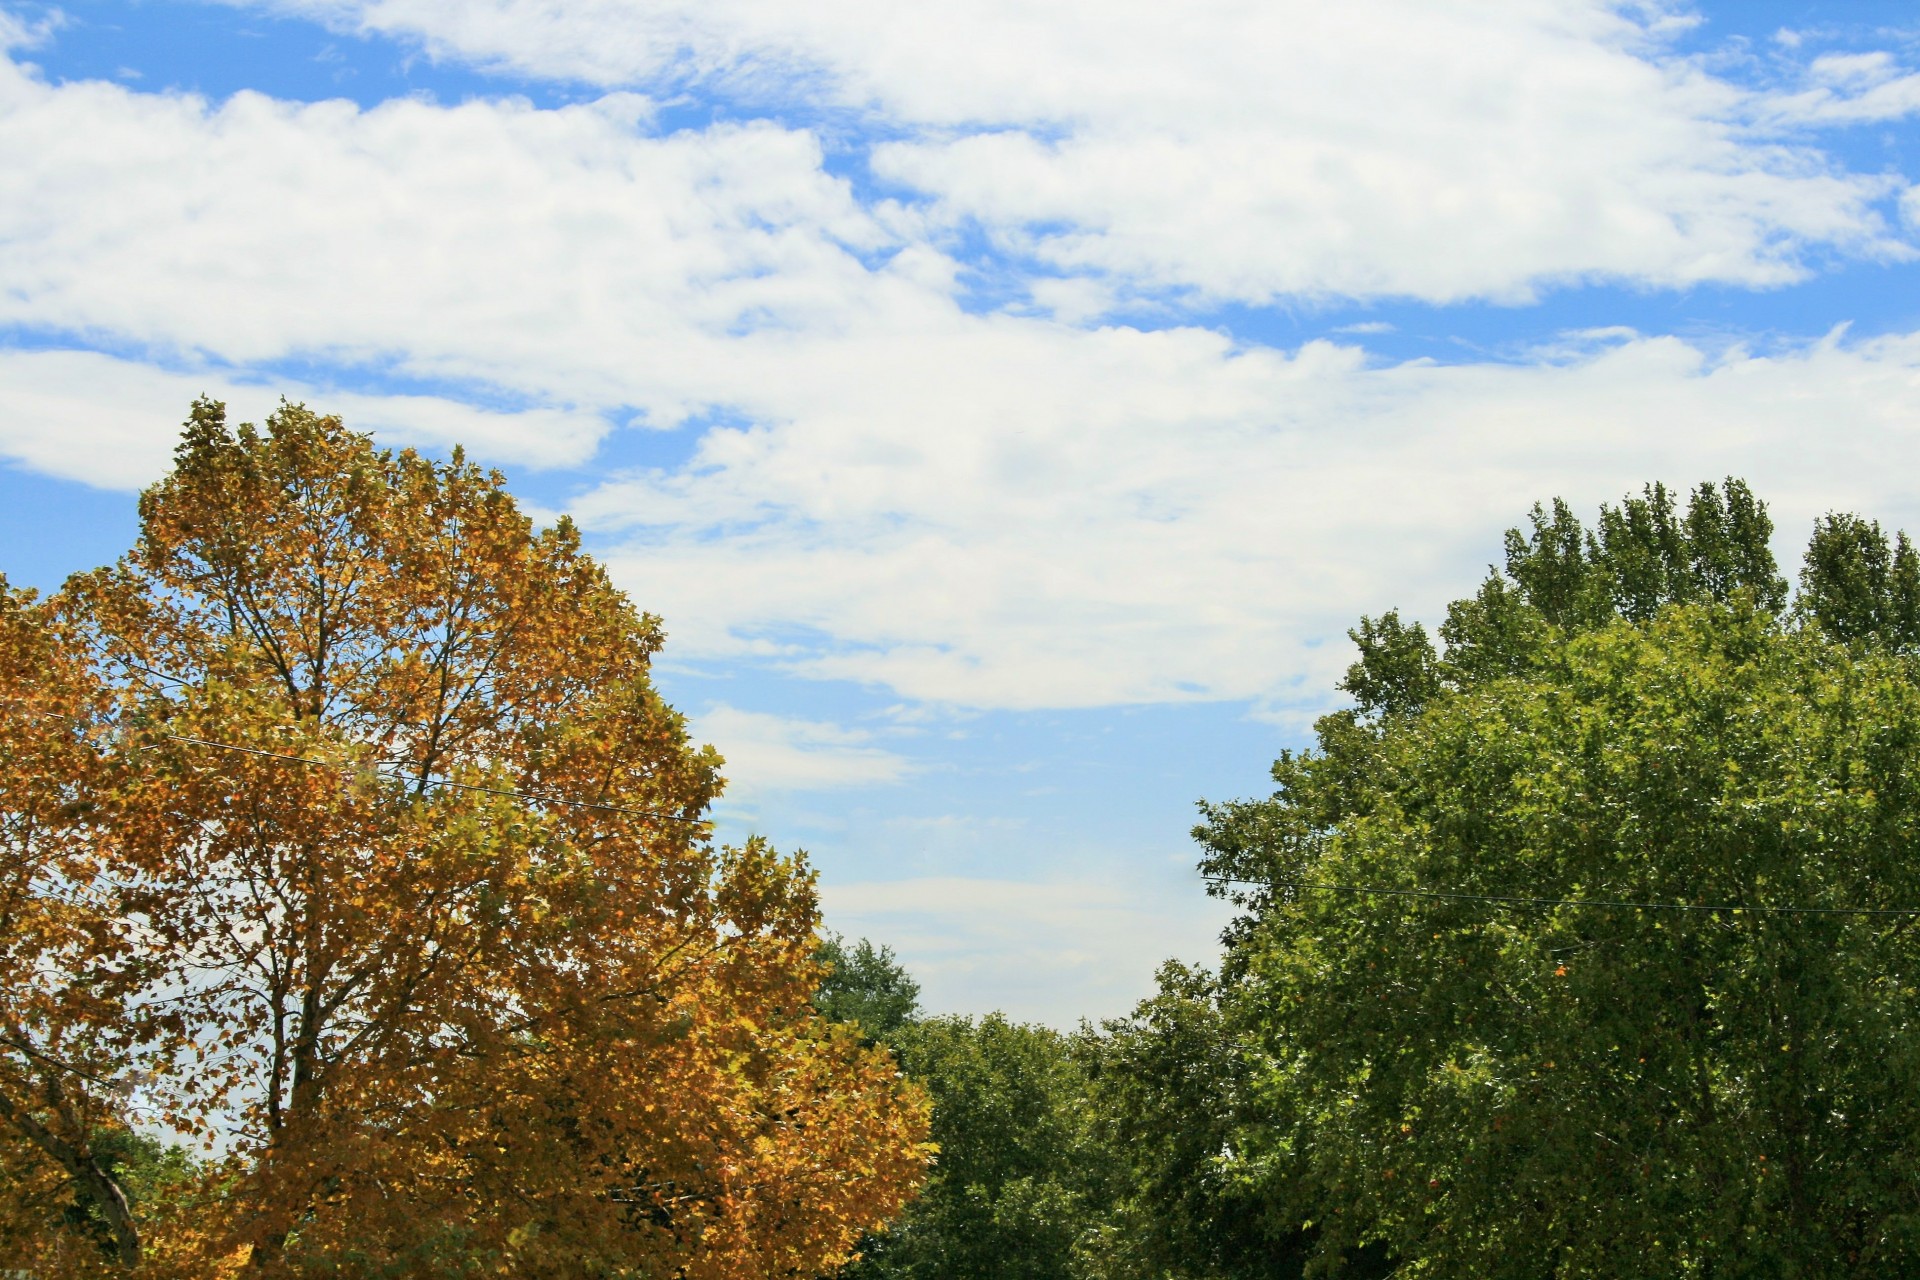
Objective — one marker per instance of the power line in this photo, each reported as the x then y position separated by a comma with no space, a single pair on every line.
1605,903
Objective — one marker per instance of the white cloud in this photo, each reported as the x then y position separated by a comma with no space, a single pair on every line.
991,510
1005,512
1854,70
1163,516
562,255
1844,89
1046,951
112,422
1293,148
778,753
1072,299
19,32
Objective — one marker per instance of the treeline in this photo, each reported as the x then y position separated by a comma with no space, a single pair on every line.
1582,945
360,919
1094,1153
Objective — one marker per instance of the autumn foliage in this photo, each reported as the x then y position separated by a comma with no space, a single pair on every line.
345,831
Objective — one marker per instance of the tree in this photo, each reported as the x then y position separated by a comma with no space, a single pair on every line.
1168,1091
422,883
67,966
1019,1186
1486,1035
866,986
1859,588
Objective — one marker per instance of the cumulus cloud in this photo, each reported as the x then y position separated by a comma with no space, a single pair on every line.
780,753
996,510
1294,148
1179,518
568,256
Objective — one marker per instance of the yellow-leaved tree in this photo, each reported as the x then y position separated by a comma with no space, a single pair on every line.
358,842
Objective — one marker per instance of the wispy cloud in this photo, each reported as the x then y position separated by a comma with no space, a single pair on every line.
778,753
1014,514
111,422
1845,89
1047,950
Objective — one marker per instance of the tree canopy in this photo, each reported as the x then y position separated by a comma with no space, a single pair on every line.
359,917
867,986
344,828
1562,953
1019,1188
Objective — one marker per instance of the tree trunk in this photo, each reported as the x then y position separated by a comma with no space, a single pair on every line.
94,1183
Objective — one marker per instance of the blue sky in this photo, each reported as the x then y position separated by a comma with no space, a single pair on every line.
1008,406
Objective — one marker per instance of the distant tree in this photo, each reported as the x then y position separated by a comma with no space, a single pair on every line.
1020,1186
1169,1088
1449,1056
342,814
1860,588
865,986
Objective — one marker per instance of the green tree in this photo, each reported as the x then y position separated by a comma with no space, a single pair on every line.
148,1171
1469,1047
1859,587
1169,1089
865,985
1020,1185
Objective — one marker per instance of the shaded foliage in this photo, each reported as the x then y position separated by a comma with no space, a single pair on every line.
1106,1154
1020,1179
1172,1097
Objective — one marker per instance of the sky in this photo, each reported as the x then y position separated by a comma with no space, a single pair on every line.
1008,406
